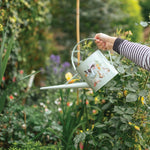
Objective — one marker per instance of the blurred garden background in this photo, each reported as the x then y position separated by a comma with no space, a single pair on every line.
36,41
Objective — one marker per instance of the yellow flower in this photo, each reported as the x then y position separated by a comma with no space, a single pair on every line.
142,100
13,19
96,100
130,33
130,123
137,146
81,131
92,126
125,92
87,129
120,95
69,76
1,27
137,128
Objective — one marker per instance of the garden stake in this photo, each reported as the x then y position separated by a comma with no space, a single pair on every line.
25,129
78,37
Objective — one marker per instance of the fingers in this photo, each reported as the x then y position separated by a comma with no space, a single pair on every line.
104,42
100,41
101,44
98,37
102,36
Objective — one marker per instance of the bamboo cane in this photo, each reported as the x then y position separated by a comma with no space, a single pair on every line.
78,36
78,28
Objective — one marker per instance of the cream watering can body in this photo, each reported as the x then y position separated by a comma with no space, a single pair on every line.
96,70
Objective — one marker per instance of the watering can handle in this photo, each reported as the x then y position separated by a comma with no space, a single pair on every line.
76,47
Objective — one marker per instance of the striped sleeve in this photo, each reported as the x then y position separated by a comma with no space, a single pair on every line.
138,53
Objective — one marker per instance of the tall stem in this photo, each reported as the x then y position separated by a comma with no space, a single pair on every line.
78,36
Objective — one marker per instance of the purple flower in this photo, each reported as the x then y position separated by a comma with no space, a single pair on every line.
55,70
55,58
52,57
66,64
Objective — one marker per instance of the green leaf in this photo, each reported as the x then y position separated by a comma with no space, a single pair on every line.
78,138
104,135
123,127
143,93
4,62
106,106
99,125
104,148
37,128
1,53
2,101
119,110
130,111
129,144
29,75
128,117
131,97
120,69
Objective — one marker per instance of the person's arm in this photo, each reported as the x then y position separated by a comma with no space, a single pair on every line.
138,53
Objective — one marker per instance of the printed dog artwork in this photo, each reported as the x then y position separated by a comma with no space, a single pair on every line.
96,72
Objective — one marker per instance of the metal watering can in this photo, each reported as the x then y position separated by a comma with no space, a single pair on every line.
96,70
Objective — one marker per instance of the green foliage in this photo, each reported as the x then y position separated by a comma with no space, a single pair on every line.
131,20
30,20
3,60
34,146
95,16
145,4
116,117
70,118
4,56
119,112
19,125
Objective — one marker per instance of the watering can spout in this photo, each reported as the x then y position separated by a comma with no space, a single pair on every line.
67,86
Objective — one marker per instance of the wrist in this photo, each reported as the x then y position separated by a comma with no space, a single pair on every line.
116,44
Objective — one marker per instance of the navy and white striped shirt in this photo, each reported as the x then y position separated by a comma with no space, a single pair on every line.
138,53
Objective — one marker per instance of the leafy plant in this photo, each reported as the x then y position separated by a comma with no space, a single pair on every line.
30,20
4,59
34,146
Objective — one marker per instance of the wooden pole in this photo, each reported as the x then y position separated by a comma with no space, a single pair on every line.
78,36
78,28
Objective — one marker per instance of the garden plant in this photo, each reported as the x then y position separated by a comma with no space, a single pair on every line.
116,117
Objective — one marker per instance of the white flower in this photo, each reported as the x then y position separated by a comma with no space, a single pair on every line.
59,109
16,94
47,111
71,90
42,104
23,126
57,102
